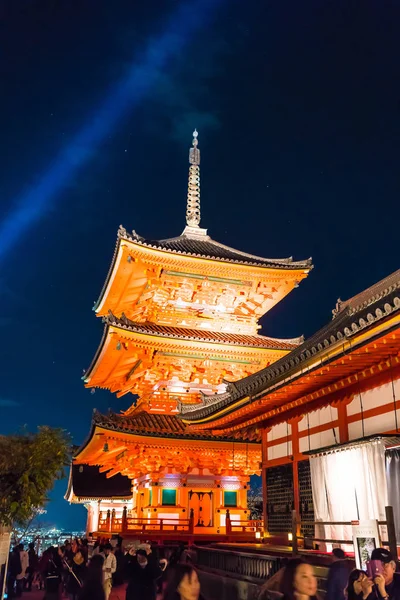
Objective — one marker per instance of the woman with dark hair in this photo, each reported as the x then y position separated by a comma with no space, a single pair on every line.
93,589
359,587
182,584
299,581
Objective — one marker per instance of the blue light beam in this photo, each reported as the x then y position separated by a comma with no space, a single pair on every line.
181,28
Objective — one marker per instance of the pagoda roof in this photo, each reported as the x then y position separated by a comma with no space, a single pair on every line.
200,245
216,337
87,482
151,425
355,316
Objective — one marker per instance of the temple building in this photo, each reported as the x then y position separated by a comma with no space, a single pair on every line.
181,319
327,416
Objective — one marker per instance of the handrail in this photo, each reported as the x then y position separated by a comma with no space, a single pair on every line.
389,523
108,522
244,565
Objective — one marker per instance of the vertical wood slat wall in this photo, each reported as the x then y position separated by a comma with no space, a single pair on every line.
280,497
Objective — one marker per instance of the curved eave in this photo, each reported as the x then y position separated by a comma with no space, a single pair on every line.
112,271
86,499
69,494
217,345
248,260
101,348
103,429
85,443
200,336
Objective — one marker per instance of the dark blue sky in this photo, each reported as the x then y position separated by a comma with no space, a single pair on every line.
297,106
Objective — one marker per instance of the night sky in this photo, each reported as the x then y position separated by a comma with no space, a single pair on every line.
297,106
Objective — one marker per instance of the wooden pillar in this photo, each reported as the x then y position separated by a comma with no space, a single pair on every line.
295,528
99,516
112,519
228,527
191,521
264,458
124,520
391,531
294,423
108,522
343,421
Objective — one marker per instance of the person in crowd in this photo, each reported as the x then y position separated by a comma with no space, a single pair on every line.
338,575
21,577
163,562
14,569
359,587
182,583
98,548
299,581
51,574
33,565
177,555
109,568
84,548
93,588
388,584
143,571
118,577
68,554
77,572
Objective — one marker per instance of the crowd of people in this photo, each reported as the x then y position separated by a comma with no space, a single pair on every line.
83,571
344,582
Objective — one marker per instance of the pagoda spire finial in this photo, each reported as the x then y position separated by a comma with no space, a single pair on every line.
193,197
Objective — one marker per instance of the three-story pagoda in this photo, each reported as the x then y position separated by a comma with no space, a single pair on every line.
181,321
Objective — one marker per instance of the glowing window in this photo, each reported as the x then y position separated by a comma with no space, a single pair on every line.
230,499
169,497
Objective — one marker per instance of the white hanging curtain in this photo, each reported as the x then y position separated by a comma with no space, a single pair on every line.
348,484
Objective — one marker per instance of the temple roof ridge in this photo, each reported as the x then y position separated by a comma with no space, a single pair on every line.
203,246
370,295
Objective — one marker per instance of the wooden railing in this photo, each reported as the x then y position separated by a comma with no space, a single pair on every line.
169,524
109,523
296,527
241,564
251,526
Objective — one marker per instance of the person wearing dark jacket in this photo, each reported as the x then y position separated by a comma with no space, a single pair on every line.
118,576
52,575
33,565
338,576
93,588
77,572
14,569
143,571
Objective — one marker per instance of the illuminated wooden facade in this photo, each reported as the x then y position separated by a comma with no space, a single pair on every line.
181,320
175,475
339,386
